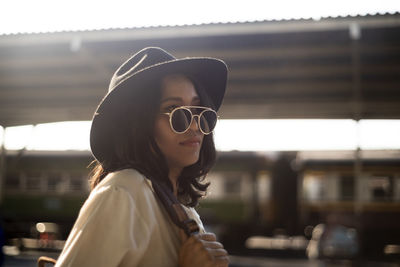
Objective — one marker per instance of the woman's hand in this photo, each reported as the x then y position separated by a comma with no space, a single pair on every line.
202,250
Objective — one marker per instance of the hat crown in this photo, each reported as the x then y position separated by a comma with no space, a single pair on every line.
143,59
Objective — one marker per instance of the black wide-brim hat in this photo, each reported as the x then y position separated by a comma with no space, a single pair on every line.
150,64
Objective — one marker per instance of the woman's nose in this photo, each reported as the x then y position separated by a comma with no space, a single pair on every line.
195,124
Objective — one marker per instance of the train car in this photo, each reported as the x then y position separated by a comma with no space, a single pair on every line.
281,196
357,189
50,187
42,186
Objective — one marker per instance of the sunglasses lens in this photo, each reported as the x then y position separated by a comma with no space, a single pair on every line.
207,121
181,119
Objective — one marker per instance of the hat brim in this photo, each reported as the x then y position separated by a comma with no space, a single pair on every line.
211,73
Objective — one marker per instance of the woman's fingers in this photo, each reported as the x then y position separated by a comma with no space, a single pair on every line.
218,252
207,237
212,244
203,250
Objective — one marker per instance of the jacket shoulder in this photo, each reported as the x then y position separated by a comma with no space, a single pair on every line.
128,179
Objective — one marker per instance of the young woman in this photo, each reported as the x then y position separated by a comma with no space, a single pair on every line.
152,139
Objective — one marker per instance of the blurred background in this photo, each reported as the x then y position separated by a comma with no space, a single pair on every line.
308,172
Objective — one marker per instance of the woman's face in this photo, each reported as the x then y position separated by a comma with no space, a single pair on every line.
180,150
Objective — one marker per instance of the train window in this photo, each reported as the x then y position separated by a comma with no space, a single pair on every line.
12,182
33,182
381,188
76,183
264,186
347,187
313,185
52,181
63,184
233,184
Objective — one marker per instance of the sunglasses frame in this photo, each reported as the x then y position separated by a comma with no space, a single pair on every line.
188,108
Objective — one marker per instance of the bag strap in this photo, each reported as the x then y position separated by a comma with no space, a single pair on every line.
175,210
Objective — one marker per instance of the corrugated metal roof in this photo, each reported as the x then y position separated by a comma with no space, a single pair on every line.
281,69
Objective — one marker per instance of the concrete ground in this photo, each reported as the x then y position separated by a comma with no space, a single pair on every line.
28,259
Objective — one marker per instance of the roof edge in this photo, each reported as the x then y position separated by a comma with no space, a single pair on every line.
211,29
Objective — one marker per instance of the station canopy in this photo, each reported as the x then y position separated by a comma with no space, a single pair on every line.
344,67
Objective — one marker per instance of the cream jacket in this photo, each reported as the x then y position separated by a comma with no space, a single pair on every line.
123,224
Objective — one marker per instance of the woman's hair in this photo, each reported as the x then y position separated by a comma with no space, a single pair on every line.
134,146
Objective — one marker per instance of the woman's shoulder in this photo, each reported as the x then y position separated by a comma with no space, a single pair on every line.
127,186
128,179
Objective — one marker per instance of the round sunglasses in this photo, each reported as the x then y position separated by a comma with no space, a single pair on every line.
181,118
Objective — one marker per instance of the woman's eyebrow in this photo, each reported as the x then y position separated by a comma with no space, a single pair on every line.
195,99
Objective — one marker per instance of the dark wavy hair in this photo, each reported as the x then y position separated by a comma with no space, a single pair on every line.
134,146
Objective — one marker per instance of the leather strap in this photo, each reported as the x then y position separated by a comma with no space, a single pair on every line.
175,209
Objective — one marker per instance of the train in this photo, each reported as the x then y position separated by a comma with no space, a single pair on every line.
280,196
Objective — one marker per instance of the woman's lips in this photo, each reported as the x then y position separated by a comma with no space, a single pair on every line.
191,142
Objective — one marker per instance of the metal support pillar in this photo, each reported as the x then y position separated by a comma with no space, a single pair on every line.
2,165
355,35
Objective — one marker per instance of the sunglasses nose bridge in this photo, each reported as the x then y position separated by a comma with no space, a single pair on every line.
196,121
